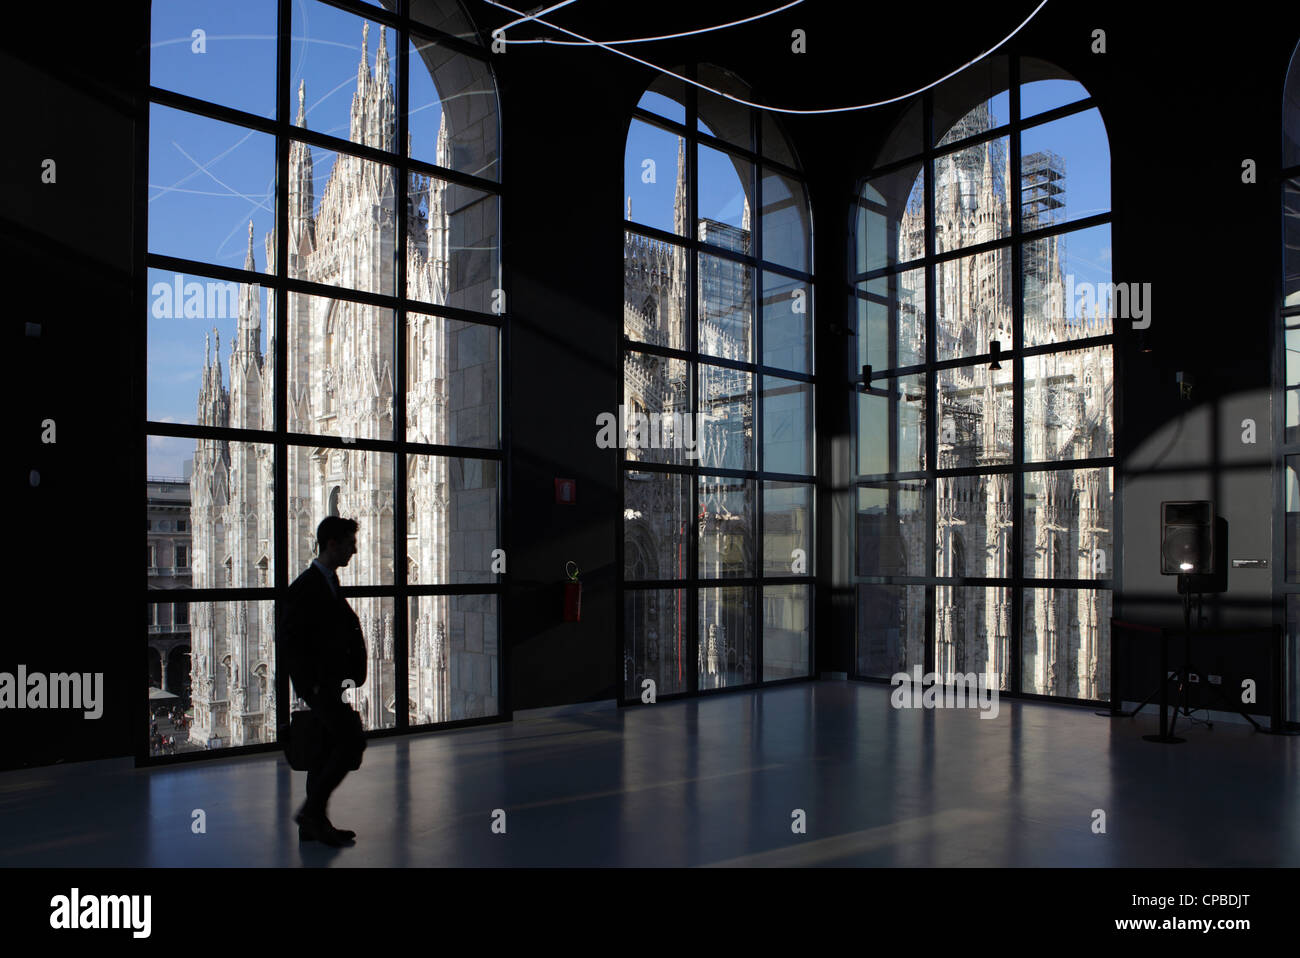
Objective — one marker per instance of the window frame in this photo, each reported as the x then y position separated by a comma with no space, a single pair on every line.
1019,468
692,584
409,28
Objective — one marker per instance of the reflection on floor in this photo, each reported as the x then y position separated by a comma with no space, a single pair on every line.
710,781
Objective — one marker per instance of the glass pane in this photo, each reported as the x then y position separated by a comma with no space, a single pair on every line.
1291,654
787,611
891,629
1292,505
788,529
224,676
975,416
654,178
727,407
973,532
655,640
1066,639
1064,170
726,308
1069,405
170,535
341,361
456,249
726,637
723,204
658,511
891,322
891,426
787,426
452,391
720,117
1291,124
891,219
207,181
451,520
654,292
452,115
655,423
347,239
891,536
189,379
971,201
905,134
1045,86
1069,524
345,68
979,100
224,491
666,96
452,670
445,15
775,145
197,46
787,323
353,483
726,527
972,633
1068,290
171,712
1292,337
375,699
787,230
1291,254
973,305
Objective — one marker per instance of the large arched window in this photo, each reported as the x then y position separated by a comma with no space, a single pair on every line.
323,269
716,550
1287,373
985,403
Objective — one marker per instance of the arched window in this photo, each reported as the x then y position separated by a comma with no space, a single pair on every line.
717,407
984,363
324,187
1287,375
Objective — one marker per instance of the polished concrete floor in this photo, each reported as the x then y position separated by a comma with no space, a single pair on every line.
712,781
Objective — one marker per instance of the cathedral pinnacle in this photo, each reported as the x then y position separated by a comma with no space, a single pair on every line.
302,103
249,262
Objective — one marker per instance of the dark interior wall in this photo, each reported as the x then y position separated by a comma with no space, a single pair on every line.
1183,108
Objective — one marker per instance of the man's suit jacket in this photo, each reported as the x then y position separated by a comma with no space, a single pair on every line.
324,644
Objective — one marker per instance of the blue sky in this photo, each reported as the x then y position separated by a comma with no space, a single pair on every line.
208,179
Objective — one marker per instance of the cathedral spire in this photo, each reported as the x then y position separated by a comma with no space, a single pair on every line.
249,263
381,58
679,198
301,119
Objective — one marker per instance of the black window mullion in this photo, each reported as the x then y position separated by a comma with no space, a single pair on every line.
931,390
401,611
694,598
760,461
280,295
1016,552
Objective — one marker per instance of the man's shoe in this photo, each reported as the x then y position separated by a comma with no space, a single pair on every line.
347,833
313,828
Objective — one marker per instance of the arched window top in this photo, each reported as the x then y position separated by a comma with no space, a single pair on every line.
736,152
979,191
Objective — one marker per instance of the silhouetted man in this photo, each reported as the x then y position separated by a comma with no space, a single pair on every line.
325,648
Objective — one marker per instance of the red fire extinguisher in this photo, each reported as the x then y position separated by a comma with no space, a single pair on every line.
572,594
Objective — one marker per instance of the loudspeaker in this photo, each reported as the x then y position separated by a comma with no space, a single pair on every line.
1187,538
